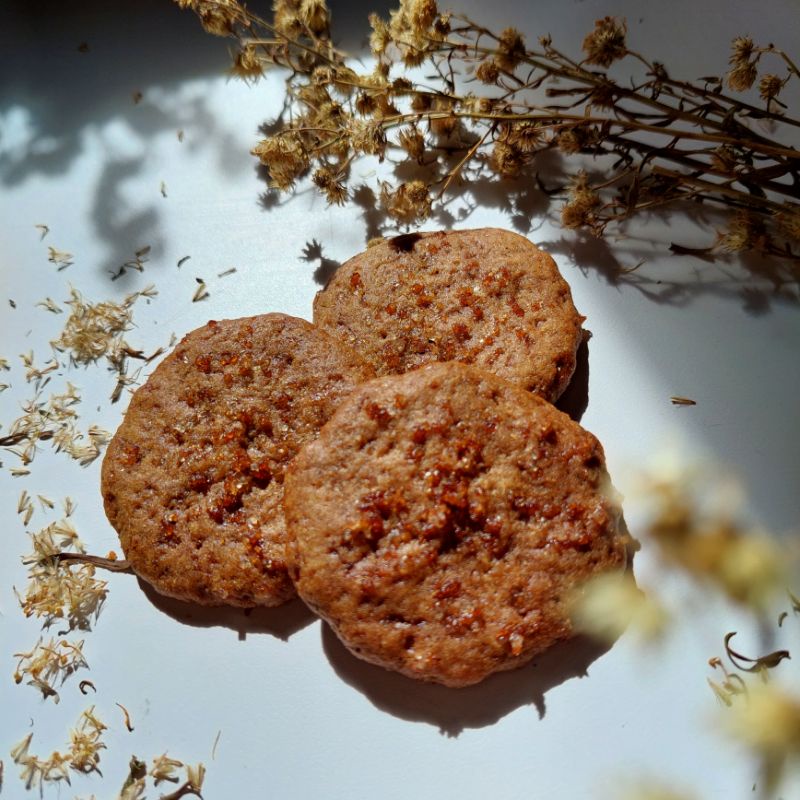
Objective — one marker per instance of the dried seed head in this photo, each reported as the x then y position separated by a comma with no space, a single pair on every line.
578,212
315,16
788,222
606,43
285,158
506,160
246,63
333,189
380,38
745,231
413,142
742,76
408,203
510,49
488,72
769,87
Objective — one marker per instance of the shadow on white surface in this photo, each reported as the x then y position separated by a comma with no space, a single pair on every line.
575,399
281,622
453,710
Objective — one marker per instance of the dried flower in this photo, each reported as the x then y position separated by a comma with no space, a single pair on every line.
578,211
334,189
510,49
488,72
284,157
413,142
408,203
85,743
743,73
769,88
606,43
246,63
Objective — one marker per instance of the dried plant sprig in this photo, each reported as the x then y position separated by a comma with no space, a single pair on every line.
49,664
493,103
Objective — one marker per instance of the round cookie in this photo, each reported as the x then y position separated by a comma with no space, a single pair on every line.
193,478
442,519
486,297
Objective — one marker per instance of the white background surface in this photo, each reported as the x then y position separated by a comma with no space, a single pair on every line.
298,717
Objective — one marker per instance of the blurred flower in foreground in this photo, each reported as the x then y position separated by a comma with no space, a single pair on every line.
694,519
655,793
767,722
608,604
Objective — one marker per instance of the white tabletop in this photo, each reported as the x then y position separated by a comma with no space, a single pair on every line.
293,715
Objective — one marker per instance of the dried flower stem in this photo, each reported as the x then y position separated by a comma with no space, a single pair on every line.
660,140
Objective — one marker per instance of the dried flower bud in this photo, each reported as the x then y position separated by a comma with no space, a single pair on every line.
333,189
217,17
408,203
506,160
315,16
769,87
286,19
380,38
742,76
570,141
441,26
741,49
365,104
577,213
246,63
525,136
510,49
284,157
368,138
724,158
413,56
606,43
421,13
413,142
488,72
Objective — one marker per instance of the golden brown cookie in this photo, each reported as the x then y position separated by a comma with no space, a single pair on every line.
486,297
443,517
193,478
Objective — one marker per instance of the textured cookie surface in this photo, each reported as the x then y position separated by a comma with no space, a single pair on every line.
442,518
486,297
193,478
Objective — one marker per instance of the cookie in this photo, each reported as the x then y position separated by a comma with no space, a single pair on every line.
486,297
442,519
193,479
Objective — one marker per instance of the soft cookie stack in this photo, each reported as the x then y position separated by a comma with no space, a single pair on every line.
439,517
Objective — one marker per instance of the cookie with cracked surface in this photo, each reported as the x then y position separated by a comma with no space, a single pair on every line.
486,297
442,519
193,479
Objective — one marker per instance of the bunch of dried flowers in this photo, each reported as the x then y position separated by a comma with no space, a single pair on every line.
491,104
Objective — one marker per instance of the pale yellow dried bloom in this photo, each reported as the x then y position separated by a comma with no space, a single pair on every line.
608,605
408,203
651,792
745,231
164,769
56,590
49,664
92,329
85,742
767,721
606,43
